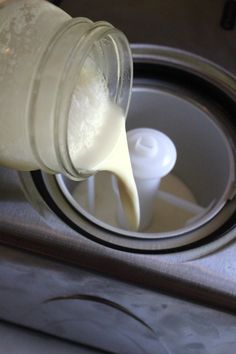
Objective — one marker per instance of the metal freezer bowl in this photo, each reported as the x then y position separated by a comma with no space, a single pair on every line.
171,99
120,301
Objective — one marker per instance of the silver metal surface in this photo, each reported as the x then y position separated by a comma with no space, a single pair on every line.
27,341
108,314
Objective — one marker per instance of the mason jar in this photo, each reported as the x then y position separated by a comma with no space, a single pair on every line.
42,53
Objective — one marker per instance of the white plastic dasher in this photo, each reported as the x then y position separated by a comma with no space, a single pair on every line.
153,156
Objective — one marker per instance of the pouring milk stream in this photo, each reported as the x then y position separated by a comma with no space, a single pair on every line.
98,142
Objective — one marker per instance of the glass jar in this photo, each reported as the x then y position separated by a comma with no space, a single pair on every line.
42,53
